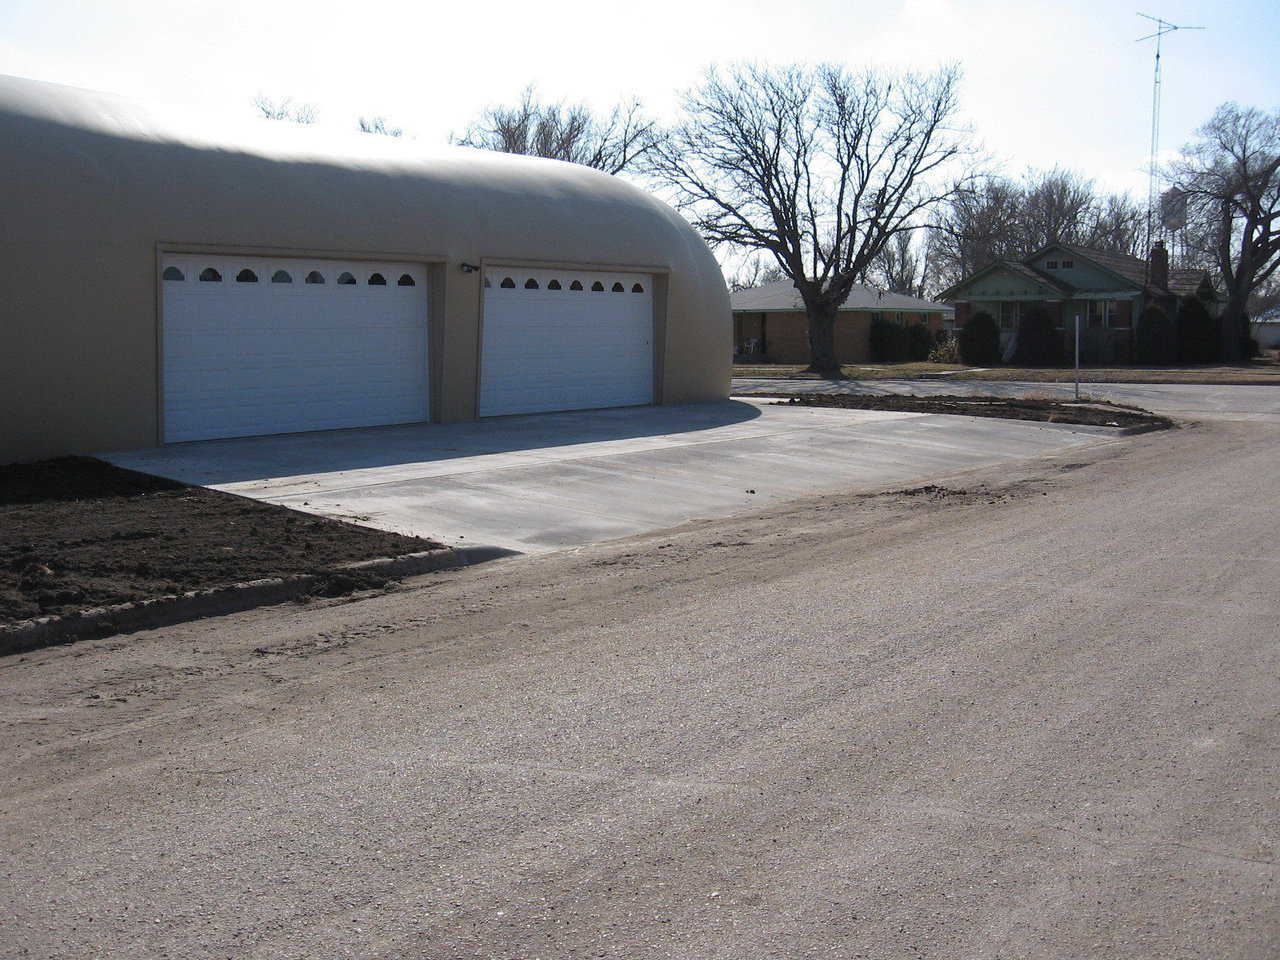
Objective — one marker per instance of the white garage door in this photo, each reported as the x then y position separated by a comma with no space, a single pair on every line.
254,345
565,340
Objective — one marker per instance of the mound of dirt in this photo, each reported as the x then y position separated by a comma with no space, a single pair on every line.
77,533
1091,413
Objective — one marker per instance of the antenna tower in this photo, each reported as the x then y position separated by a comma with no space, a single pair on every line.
1162,27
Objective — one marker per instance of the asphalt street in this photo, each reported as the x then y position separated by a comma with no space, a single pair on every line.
1032,713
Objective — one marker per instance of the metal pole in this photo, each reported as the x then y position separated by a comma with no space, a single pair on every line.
1077,356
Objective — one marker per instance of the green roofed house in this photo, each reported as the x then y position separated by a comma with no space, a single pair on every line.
1107,291
770,324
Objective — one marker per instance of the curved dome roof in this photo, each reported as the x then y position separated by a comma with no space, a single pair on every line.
455,199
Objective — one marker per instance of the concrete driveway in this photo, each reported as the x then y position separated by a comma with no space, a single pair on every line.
1195,400
552,481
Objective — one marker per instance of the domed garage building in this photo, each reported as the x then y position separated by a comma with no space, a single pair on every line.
166,283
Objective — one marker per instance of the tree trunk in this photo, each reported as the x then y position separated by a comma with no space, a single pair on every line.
822,341
1233,325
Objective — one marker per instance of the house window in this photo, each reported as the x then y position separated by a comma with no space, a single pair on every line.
281,276
636,288
173,273
576,285
346,279
507,284
1051,264
1097,314
1068,264
315,276
407,281
1009,312
377,280
553,285
618,288
877,317
246,276
597,287
210,275
531,284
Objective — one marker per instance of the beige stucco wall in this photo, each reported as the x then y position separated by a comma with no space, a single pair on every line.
97,187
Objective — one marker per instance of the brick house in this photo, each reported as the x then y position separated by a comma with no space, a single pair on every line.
1107,291
770,324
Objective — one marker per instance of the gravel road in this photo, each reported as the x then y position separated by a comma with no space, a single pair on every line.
1031,714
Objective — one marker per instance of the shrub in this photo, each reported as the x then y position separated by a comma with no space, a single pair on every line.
919,342
946,350
1039,345
888,342
1199,338
1157,340
980,340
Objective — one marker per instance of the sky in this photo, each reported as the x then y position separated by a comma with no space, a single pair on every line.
1045,83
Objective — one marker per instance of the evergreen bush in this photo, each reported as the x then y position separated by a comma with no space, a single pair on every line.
980,340
1199,338
888,342
1157,339
919,342
1039,344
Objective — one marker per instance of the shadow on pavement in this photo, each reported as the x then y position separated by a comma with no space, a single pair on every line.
214,462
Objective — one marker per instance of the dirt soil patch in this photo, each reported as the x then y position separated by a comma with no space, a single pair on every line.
77,533
1094,413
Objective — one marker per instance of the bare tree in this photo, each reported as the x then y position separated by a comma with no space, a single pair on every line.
285,109
379,124
756,272
1231,175
814,166
903,265
1056,207
611,143
1003,219
978,225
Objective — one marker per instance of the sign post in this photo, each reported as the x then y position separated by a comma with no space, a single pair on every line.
1077,356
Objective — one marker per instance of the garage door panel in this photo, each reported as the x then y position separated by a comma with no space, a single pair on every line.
563,349
251,358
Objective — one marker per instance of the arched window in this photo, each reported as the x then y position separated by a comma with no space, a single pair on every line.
576,285
636,288
377,280
315,276
210,275
531,284
618,288
553,285
346,280
281,276
507,284
597,287
405,281
246,276
173,273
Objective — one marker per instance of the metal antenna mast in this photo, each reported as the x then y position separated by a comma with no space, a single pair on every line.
1162,27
